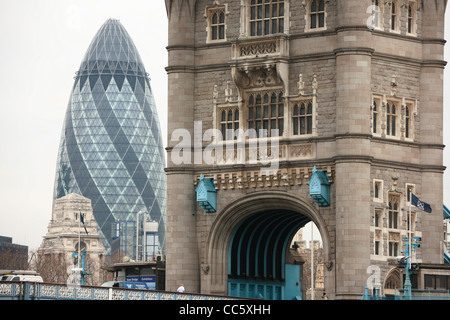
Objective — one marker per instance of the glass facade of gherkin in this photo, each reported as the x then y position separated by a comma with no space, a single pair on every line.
111,149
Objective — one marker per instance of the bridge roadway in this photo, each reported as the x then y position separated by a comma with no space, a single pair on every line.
13,290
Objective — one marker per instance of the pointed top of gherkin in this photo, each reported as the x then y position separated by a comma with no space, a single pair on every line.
111,47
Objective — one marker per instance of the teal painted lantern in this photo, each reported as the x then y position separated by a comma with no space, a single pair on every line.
319,188
206,194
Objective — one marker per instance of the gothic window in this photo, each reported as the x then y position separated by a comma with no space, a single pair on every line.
395,16
265,114
394,209
317,14
391,119
393,248
376,106
229,123
393,281
407,121
378,190
216,23
302,118
266,17
411,23
378,218
377,242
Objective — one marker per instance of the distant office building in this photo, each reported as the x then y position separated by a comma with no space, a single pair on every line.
12,256
111,149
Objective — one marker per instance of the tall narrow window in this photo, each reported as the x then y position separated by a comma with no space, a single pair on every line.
391,119
407,121
378,238
374,116
266,17
317,14
378,190
218,26
394,16
229,123
394,203
393,248
377,218
377,247
265,113
411,17
302,118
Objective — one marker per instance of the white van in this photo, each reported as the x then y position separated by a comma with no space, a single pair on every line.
30,276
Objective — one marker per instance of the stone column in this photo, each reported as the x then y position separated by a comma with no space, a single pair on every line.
181,244
353,99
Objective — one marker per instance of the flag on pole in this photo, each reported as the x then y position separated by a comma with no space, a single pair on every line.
420,204
82,221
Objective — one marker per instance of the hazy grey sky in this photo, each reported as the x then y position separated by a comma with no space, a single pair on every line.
42,43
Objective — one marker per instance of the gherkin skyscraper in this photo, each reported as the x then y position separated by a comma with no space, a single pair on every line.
111,149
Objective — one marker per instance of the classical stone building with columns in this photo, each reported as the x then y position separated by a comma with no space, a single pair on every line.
67,236
349,92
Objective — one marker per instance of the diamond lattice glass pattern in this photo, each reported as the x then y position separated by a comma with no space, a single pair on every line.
111,149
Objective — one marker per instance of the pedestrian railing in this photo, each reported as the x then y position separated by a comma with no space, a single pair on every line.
416,294
10,290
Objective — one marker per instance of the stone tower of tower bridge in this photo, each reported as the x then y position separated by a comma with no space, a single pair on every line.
350,92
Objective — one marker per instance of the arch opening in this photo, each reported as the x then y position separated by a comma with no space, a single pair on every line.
260,264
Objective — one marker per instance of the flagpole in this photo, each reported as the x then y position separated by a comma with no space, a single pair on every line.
312,261
410,231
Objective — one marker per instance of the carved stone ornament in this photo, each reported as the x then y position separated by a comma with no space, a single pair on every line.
284,178
205,269
257,76
301,150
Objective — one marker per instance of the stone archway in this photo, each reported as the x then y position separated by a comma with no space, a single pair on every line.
214,276
392,282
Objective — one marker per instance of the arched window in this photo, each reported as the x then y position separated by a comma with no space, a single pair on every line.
393,281
411,22
395,16
391,119
394,203
302,118
229,123
218,25
265,113
374,116
216,16
266,17
317,14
